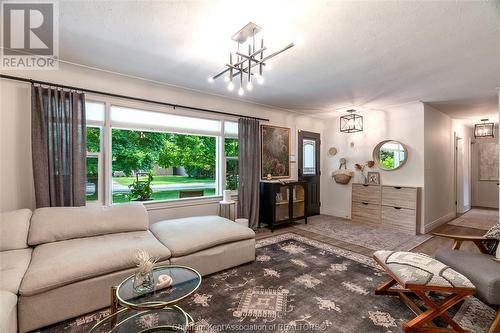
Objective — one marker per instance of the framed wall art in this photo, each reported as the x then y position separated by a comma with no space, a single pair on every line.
275,152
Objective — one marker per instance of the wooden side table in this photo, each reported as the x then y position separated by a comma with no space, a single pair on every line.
227,209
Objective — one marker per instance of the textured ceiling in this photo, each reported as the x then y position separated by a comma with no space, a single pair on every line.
361,54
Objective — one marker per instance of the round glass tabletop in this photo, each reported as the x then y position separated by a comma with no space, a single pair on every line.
185,281
169,319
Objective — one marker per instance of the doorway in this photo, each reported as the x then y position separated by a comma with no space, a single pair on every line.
309,168
463,185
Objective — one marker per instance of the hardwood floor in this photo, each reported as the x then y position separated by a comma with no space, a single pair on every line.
429,247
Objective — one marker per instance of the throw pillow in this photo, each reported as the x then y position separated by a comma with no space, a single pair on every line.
493,233
498,253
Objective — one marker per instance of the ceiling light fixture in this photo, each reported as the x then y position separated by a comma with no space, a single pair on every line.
484,129
351,123
245,62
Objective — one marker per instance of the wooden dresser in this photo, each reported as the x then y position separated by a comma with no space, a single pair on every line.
388,206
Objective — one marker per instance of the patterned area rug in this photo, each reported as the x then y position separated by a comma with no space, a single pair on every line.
477,218
363,234
298,284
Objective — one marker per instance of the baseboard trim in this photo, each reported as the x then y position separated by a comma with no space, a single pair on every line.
440,221
335,212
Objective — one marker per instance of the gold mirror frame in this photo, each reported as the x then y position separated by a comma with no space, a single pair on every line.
376,154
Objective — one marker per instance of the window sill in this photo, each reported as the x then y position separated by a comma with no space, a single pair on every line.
187,202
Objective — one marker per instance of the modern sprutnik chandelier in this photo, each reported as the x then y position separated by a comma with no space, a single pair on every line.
242,62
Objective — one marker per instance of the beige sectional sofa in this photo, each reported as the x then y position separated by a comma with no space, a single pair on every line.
15,256
79,253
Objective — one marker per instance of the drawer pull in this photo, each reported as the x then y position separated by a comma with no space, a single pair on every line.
397,207
397,187
365,203
365,185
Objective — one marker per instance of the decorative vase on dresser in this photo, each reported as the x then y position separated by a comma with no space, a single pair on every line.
282,202
386,206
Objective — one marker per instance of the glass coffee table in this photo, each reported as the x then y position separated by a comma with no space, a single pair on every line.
154,311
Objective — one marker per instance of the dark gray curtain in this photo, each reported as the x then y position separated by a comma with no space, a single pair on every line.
249,170
58,141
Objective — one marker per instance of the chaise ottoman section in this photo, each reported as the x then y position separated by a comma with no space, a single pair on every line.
8,312
207,243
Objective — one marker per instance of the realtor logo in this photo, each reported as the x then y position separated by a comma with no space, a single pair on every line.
30,35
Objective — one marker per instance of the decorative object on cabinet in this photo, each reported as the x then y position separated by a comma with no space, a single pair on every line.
275,146
342,176
282,203
390,155
374,178
385,206
351,122
361,168
332,151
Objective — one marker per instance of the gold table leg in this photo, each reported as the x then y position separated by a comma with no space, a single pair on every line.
114,306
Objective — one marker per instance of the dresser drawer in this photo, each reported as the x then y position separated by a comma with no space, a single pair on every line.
400,218
402,197
366,193
365,213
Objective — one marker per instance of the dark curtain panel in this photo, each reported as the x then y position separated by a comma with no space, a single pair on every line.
249,170
58,141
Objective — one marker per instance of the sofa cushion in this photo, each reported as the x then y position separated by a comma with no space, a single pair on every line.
481,269
53,224
13,265
60,263
188,235
8,312
14,228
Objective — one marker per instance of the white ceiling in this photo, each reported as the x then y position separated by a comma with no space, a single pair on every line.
361,54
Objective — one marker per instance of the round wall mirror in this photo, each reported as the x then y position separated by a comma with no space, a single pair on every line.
390,155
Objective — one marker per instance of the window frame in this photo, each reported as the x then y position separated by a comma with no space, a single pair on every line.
105,194
100,170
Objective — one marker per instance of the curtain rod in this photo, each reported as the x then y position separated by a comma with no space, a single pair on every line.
16,78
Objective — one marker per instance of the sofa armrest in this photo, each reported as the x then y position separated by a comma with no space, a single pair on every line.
459,239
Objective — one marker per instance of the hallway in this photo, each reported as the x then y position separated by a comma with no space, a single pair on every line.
473,223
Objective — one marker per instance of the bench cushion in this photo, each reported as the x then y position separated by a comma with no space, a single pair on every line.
60,263
188,235
52,224
13,265
481,269
419,269
8,312
14,228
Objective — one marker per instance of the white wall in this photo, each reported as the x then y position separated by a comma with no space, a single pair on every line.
16,173
439,194
464,165
16,188
404,123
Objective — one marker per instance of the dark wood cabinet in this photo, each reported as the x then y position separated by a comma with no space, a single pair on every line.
282,202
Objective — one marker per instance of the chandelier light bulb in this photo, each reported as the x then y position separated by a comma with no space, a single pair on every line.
241,92
230,86
210,79
226,78
249,86
260,79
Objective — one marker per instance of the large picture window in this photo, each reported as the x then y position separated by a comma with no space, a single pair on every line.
178,165
141,155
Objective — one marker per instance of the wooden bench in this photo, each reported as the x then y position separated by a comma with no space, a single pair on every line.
420,274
